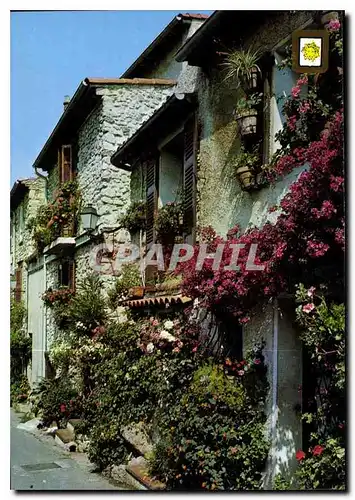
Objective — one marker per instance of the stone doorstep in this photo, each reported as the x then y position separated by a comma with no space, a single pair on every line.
136,436
119,474
139,471
72,423
65,439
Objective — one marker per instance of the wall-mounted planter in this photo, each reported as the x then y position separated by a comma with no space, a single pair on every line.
137,292
246,177
247,122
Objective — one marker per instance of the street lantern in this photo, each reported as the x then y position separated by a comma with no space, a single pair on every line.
89,218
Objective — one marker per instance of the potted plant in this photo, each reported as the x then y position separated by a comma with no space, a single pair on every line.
242,66
247,113
135,218
168,223
246,165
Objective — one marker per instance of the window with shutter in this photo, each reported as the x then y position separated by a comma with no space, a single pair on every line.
66,273
189,195
65,164
18,288
151,198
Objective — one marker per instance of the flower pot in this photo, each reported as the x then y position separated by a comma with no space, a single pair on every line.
247,122
137,292
252,84
246,177
329,16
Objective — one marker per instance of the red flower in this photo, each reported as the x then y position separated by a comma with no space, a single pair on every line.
63,408
318,450
257,361
300,455
341,426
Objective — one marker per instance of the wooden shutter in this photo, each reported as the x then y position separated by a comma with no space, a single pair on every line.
71,279
151,198
189,195
65,164
18,288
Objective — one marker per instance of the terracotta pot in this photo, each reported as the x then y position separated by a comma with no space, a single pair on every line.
137,292
246,177
329,16
247,123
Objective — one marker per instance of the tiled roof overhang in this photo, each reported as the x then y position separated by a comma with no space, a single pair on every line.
161,301
18,191
169,34
78,109
164,121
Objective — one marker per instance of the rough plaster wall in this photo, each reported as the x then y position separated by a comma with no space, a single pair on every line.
287,438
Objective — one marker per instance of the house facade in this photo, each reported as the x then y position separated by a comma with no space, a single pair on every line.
185,153
102,115
166,133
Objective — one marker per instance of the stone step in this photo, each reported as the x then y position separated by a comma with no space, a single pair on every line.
65,439
138,438
73,423
138,469
119,474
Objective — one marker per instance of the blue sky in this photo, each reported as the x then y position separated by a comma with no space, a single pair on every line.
51,52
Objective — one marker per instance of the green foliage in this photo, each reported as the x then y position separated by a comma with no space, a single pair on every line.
55,399
87,309
19,390
135,218
168,222
247,104
241,65
17,315
106,445
53,217
214,437
20,343
325,470
251,160
129,278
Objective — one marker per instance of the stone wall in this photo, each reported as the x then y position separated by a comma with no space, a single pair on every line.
22,245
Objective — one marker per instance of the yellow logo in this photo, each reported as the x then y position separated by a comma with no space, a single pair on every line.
311,51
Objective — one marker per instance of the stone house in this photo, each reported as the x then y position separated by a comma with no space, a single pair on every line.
101,115
185,152
25,198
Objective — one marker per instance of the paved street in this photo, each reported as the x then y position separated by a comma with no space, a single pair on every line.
38,465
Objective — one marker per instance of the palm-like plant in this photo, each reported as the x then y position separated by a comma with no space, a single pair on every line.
242,65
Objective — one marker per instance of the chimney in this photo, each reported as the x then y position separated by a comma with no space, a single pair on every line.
66,101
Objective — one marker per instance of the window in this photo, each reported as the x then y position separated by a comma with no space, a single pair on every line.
18,287
65,163
170,177
66,273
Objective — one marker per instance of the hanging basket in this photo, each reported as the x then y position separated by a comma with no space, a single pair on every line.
247,123
246,177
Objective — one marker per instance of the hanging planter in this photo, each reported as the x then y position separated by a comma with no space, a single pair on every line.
242,66
135,218
247,165
247,113
247,123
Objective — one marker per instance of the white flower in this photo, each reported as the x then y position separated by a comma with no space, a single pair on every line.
168,324
167,336
150,347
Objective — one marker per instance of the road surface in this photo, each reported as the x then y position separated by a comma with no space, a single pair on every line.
38,464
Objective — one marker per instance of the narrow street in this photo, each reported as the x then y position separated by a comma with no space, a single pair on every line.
38,465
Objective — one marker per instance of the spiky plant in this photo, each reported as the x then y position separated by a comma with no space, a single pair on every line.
241,65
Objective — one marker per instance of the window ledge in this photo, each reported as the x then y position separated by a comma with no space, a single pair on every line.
60,244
